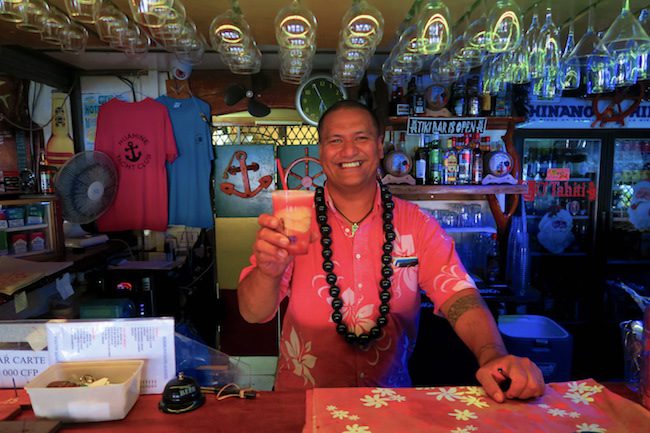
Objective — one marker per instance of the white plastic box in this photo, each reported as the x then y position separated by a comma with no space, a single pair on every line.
83,404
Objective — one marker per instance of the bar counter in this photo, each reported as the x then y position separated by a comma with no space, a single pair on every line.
269,412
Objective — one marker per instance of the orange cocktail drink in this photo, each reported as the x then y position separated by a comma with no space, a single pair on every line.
295,208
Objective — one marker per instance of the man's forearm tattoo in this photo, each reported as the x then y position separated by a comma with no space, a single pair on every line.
462,305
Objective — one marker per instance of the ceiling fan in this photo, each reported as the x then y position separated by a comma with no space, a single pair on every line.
237,92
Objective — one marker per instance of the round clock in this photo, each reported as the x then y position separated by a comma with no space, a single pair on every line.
499,163
317,94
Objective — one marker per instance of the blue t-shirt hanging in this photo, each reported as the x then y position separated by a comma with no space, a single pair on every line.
189,175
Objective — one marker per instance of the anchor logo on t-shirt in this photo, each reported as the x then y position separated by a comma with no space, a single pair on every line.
135,154
132,148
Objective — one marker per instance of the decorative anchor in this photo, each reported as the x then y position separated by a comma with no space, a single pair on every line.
229,188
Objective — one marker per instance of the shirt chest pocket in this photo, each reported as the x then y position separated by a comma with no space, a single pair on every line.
405,273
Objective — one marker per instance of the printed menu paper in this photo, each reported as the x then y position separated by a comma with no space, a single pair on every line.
149,339
23,353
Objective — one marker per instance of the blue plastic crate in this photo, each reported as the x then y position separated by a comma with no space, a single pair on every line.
542,340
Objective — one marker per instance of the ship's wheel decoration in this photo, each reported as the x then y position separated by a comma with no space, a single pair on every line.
243,169
306,180
623,102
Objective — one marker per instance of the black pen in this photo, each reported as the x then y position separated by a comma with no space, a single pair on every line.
504,384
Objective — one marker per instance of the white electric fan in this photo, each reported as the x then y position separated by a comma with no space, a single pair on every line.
86,187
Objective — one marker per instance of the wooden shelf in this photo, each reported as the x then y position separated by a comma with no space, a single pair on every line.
492,123
432,192
26,227
482,229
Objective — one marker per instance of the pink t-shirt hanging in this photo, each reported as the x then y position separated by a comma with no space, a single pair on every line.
138,137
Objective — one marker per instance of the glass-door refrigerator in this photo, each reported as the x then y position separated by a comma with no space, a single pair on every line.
587,213
563,173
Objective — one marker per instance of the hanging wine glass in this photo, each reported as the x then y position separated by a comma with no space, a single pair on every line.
53,24
535,63
446,69
595,61
74,38
107,20
33,13
471,45
569,76
295,22
364,21
504,27
434,33
82,11
173,27
193,49
150,13
10,11
522,59
362,28
624,40
548,47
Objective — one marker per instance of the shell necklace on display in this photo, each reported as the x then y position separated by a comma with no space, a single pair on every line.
386,269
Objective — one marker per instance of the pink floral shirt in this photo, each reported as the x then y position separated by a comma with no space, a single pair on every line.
312,354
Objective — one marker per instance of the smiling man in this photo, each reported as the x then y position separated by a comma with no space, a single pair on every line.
354,298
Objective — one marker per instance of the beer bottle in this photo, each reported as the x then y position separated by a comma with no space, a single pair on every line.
46,174
435,168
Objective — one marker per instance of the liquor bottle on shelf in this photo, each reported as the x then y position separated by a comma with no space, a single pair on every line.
421,162
477,160
472,100
46,174
486,104
450,163
485,151
394,99
458,94
464,160
419,106
435,167
59,147
411,90
403,107
502,102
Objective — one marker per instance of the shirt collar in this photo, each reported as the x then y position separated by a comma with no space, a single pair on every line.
330,203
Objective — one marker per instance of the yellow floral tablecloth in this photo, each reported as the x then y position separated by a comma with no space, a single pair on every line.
567,407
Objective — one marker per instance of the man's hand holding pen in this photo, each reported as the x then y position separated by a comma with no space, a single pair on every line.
511,377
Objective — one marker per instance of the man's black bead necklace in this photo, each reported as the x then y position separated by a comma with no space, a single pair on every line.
386,269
